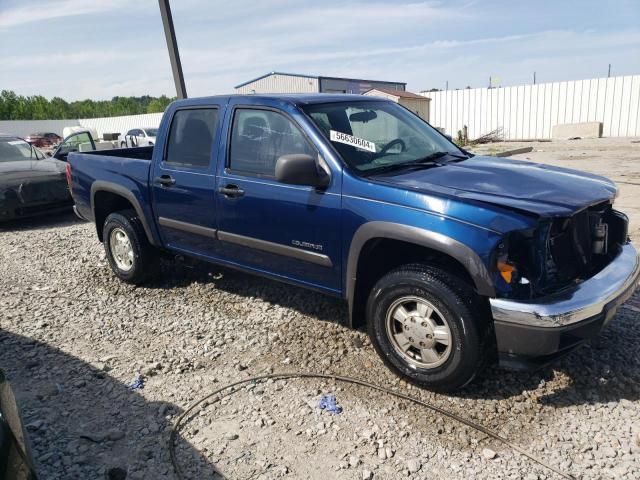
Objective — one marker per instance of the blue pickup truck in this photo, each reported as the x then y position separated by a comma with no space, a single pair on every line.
451,260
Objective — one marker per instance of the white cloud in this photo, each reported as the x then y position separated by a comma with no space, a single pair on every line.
362,15
28,13
553,54
72,59
120,50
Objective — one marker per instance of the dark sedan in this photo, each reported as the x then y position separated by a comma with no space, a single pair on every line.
30,182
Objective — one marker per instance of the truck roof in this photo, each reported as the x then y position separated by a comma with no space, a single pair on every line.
295,98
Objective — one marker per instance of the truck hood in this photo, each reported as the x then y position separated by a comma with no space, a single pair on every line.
538,189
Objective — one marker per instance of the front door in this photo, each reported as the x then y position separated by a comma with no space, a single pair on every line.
77,142
289,230
184,181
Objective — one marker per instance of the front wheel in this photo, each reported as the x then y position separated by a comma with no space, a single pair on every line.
421,323
130,255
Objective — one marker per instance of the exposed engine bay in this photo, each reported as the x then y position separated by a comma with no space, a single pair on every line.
560,252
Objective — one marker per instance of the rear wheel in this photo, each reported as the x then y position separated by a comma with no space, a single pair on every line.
132,258
421,323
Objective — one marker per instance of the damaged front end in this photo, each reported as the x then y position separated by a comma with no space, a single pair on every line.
559,253
560,283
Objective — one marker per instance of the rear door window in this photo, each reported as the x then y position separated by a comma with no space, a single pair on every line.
191,138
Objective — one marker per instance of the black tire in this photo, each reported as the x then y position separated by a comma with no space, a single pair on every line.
457,307
145,261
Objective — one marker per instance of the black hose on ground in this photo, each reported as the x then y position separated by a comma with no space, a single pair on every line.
362,383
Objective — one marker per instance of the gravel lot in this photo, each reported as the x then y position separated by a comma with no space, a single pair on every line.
72,337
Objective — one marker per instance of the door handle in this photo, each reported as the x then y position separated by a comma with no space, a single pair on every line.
232,191
165,180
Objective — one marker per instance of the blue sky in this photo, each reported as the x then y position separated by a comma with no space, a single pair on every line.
101,48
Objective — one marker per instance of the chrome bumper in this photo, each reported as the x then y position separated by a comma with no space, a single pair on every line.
614,284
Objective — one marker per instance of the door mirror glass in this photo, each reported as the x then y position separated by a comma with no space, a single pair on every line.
301,169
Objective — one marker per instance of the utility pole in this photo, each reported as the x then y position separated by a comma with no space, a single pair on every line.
609,72
172,46
534,78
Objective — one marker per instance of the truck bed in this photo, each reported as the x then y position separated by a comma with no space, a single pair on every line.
138,153
124,169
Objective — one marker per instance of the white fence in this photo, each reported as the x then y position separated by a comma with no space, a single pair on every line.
22,128
530,111
522,112
121,124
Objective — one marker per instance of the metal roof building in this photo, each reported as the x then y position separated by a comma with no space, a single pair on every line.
281,82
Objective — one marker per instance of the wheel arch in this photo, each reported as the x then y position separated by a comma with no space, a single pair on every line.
108,197
437,246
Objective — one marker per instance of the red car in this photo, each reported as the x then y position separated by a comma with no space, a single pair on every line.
43,140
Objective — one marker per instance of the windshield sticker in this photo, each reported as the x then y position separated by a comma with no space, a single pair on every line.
353,141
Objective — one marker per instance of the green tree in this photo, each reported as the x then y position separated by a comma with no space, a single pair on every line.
37,107
8,100
159,105
59,109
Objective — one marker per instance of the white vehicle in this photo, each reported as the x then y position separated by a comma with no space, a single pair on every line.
139,137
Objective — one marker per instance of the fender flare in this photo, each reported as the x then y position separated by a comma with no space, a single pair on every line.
417,236
103,186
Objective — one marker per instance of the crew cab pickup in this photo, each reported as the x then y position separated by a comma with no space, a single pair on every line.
450,260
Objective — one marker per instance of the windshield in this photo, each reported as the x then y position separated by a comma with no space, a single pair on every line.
376,135
15,150
151,132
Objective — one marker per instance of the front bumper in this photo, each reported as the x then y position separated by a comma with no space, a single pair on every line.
533,333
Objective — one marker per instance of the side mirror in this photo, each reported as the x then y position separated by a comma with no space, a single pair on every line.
301,169
49,154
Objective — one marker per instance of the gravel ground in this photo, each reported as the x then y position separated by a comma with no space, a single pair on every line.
72,338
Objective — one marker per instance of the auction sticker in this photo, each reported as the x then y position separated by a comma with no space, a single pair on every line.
353,141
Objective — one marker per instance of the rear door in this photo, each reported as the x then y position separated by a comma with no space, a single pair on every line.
183,180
